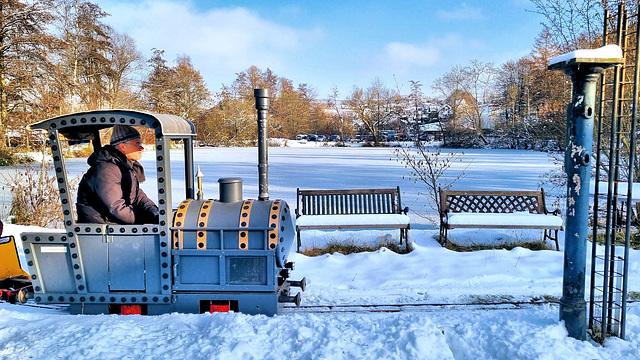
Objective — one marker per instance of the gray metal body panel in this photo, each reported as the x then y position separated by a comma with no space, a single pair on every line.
248,303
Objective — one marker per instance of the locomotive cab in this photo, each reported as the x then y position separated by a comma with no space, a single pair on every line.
227,254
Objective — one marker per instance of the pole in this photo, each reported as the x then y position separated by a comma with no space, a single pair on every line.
584,73
262,105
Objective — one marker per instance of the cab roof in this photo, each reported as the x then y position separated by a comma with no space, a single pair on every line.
82,126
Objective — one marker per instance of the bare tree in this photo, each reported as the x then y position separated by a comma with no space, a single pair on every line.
126,61
190,95
334,103
359,105
480,85
430,170
374,107
469,91
573,24
451,88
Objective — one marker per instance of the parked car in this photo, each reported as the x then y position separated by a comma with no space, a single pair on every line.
334,138
321,138
301,137
312,137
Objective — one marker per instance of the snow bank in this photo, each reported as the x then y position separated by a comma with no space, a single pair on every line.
429,274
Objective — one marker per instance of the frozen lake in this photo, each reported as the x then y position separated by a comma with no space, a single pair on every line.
325,167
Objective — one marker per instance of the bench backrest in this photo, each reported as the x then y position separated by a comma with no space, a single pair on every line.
492,201
348,202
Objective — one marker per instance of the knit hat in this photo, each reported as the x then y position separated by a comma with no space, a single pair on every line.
123,133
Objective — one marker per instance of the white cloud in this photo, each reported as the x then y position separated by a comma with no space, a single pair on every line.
463,12
223,40
404,55
400,57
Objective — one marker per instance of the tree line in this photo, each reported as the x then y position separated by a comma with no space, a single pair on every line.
59,56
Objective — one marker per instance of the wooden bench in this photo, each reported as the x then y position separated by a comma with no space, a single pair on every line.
498,210
351,209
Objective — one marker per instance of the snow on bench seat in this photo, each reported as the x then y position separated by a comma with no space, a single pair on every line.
369,220
496,220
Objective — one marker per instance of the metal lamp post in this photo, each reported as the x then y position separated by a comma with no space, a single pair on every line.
584,67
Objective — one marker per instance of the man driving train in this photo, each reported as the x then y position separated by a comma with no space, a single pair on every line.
110,192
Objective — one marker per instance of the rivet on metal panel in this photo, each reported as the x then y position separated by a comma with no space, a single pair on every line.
273,223
243,238
179,222
205,210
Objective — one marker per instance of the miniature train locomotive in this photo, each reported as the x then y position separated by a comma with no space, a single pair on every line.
207,255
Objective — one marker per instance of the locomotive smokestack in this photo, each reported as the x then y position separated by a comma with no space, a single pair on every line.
262,105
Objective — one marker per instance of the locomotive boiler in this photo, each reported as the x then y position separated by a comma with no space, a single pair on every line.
206,255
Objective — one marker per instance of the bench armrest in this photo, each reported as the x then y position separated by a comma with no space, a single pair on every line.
554,212
405,210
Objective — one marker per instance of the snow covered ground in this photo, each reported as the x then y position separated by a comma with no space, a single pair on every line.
428,275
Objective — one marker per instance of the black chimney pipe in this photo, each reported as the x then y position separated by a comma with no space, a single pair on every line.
262,105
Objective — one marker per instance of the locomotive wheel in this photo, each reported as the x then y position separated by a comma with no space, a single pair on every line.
23,295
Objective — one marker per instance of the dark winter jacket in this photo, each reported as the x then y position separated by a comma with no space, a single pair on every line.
110,191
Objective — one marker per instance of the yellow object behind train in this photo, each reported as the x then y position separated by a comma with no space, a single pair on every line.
9,262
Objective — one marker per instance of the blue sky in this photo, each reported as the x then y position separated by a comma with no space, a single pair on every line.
329,43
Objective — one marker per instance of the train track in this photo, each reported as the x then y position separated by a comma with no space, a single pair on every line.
415,307
59,307
374,308
379,308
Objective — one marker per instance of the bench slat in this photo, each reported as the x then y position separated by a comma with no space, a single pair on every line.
349,202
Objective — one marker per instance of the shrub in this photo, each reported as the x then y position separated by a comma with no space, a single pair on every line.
78,151
36,200
430,170
10,157
464,139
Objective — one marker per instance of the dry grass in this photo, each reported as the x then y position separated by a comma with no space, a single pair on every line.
531,245
634,239
349,247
